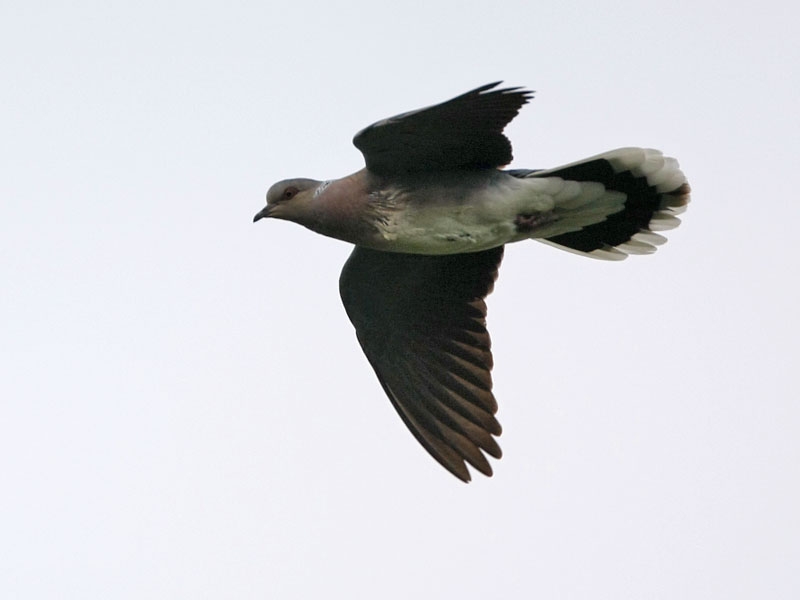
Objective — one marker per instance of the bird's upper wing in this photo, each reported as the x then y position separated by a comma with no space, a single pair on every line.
465,132
421,321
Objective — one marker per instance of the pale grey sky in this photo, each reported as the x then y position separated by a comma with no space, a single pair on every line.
185,411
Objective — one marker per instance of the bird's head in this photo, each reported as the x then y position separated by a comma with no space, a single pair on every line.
289,199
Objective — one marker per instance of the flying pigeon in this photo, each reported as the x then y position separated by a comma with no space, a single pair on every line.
430,215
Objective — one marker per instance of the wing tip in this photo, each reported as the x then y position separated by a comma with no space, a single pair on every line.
490,88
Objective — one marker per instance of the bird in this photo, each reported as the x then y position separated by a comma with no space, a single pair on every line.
430,215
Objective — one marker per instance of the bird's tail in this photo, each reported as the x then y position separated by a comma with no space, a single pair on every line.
643,191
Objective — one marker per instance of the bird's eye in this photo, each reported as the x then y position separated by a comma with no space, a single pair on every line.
289,193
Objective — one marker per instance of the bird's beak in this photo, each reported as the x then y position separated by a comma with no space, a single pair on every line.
263,213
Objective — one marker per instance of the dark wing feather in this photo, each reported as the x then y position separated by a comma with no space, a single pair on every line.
421,321
463,133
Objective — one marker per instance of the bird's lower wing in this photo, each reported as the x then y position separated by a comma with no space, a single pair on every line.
421,321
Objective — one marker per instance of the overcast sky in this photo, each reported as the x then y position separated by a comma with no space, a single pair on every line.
184,408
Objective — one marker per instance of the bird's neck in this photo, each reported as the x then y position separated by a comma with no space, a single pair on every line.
341,209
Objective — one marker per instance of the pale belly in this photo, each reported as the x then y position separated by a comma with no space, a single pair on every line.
451,232
446,222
